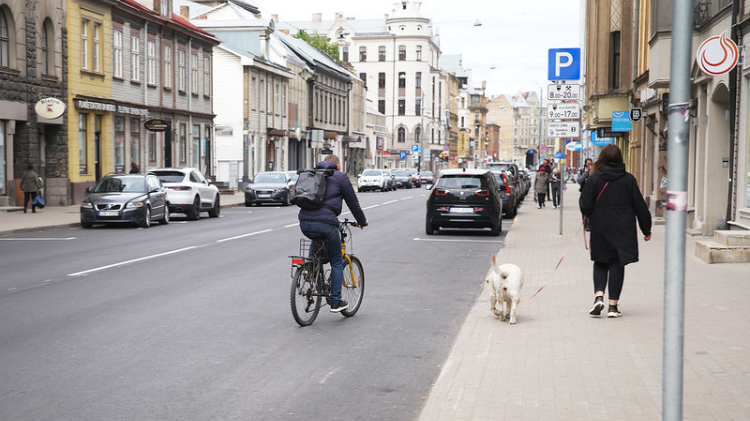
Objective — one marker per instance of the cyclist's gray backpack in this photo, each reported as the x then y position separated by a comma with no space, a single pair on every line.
310,189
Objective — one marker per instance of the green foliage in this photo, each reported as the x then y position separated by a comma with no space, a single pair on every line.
321,43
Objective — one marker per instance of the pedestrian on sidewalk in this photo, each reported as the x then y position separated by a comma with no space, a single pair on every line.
555,184
30,185
134,168
613,202
582,177
540,186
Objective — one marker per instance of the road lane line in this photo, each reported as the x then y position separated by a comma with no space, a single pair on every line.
323,380
244,235
390,201
127,262
38,239
291,225
437,240
370,207
407,198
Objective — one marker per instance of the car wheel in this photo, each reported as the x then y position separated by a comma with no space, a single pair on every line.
497,228
383,189
146,223
165,219
86,225
287,202
195,213
214,212
429,229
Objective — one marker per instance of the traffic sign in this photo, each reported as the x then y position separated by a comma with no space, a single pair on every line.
563,111
543,149
564,92
415,148
564,64
559,155
402,155
563,129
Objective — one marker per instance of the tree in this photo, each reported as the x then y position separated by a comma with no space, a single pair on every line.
321,43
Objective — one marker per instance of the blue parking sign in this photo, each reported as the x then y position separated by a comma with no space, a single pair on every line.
564,64
402,155
415,148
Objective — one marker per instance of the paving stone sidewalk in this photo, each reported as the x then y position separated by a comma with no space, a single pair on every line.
559,363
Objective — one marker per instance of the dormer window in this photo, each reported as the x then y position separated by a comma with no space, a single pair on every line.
403,5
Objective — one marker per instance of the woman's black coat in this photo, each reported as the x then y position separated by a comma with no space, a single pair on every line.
614,237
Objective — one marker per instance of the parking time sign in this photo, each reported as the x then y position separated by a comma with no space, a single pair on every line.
564,64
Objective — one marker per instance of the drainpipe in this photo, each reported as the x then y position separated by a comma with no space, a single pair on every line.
734,98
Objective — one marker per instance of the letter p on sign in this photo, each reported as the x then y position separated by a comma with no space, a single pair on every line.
564,64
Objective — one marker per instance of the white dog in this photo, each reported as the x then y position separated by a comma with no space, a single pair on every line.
505,289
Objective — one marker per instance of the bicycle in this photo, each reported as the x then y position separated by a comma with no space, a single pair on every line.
311,283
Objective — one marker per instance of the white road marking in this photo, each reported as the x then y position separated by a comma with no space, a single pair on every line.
407,198
370,207
390,201
38,239
447,240
127,262
291,225
244,235
323,380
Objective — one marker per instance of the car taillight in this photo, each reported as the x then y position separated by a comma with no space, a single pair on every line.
441,192
479,209
483,193
443,208
507,187
180,188
297,261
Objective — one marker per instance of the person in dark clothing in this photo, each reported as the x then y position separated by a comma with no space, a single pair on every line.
325,222
582,177
555,184
613,202
30,185
134,168
546,167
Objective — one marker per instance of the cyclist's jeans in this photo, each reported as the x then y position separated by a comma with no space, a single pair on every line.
333,244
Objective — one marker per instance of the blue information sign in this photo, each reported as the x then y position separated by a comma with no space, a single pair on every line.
621,121
600,141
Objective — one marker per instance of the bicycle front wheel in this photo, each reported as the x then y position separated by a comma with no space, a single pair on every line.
305,305
353,285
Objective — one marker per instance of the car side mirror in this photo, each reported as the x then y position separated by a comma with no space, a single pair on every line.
428,187
155,190
89,190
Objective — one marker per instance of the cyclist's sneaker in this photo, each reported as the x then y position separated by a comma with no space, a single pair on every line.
337,306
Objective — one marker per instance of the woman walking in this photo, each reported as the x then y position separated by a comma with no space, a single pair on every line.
554,182
30,185
540,186
612,201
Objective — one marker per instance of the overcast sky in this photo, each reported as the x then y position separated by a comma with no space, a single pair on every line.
514,38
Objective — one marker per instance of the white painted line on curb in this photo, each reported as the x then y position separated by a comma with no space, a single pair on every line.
127,262
244,235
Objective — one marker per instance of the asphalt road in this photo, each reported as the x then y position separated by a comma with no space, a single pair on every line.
191,321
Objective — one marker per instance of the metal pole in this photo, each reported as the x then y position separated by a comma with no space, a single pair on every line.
677,155
539,149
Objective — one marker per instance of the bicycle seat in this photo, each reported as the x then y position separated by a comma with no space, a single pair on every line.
316,237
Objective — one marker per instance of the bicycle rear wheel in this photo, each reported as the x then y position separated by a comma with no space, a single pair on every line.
353,286
305,305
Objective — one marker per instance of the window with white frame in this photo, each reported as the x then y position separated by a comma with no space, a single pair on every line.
5,37
151,62
84,44
194,73
181,71
206,75
117,53
135,59
96,50
168,66
419,53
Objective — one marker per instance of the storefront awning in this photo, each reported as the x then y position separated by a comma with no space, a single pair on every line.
351,138
276,133
330,135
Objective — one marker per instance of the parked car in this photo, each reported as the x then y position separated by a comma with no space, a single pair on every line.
515,183
402,179
426,177
391,180
464,199
414,177
374,179
270,187
137,199
190,192
510,207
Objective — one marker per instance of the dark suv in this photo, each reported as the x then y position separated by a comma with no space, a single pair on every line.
516,184
464,199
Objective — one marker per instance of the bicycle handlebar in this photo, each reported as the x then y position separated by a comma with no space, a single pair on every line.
346,221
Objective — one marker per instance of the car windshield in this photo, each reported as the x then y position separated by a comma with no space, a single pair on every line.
170,176
293,175
372,173
121,185
427,173
269,178
459,181
400,173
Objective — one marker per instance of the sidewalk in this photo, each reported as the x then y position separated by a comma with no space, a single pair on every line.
559,363
14,221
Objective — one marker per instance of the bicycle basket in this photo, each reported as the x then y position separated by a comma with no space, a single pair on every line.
313,249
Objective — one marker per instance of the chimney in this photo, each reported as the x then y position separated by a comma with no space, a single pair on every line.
317,17
185,12
339,16
385,16
275,18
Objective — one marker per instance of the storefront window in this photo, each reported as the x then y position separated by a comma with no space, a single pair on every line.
196,145
82,144
119,144
183,142
152,146
135,141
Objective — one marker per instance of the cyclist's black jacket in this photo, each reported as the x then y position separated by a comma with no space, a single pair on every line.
340,189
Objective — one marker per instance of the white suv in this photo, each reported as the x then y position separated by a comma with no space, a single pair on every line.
189,192
373,179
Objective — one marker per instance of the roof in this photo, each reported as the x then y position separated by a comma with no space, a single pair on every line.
312,55
176,19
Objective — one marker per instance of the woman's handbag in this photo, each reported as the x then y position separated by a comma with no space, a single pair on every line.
39,202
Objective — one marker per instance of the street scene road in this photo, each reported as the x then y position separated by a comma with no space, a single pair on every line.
191,321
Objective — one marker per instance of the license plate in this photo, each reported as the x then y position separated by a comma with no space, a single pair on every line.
109,213
264,196
462,210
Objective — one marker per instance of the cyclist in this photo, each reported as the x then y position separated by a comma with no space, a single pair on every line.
325,222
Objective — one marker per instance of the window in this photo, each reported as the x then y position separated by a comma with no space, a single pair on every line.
181,71
206,76
401,135
168,66
417,134
85,44
381,106
151,62
117,54
276,99
401,53
152,146
135,59
345,54
196,144
82,143
401,107
47,35
183,142
135,141
418,80
418,106
253,89
96,52
4,40
381,53
381,80
119,144
194,73
615,72
363,77
402,80
419,53
362,53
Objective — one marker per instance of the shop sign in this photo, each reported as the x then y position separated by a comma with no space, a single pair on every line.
96,106
156,125
49,108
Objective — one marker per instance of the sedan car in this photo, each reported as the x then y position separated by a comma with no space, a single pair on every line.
270,187
374,179
464,199
189,192
402,179
426,177
135,199
415,181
